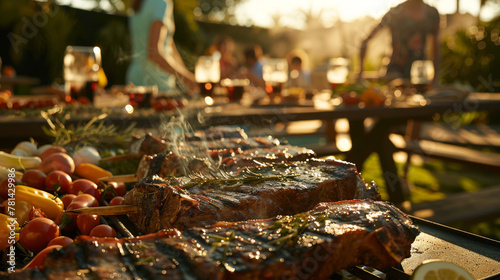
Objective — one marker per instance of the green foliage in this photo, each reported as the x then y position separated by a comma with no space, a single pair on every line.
39,37
472,56
217,10
114,41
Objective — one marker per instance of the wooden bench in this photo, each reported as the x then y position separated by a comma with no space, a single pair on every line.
463,155
479,136
465,207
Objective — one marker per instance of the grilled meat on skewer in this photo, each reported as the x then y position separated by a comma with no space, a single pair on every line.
309,245
270,189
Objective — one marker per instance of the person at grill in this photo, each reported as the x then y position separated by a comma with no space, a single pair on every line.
411,24
155,58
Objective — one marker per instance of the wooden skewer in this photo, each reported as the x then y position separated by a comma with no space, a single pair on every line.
121,157
106,210
129,178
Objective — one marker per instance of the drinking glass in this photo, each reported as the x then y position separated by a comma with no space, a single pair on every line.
421,74
235,88
275,74
81,68
338,69
207,74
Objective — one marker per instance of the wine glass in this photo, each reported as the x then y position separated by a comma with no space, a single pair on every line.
81,72
207,73
338,69
275,74
421,74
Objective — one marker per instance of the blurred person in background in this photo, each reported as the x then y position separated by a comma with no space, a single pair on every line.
224,45
252,69
297,76
411,24
155,58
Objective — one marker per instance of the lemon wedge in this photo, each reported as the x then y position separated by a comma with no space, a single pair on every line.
440,270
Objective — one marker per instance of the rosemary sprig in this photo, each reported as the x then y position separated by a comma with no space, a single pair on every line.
290,229
95,133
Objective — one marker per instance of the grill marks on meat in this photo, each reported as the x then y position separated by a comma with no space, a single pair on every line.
309,245
221,151
290,188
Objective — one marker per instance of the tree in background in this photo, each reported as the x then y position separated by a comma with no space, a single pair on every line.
472,57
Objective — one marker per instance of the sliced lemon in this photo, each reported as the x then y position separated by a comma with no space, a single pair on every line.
440,270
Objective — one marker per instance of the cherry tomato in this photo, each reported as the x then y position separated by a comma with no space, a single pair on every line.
119,188
159,105
57,179
171,105
30,104
86,200
103,231
86,223
17,106
38,233
67,199
61,240
71,227
40,257
85,186
48,103
116,201
34,178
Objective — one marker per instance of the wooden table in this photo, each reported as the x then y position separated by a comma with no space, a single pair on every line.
364,141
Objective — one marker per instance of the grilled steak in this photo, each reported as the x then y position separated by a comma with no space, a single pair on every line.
309,245
170,163
259,190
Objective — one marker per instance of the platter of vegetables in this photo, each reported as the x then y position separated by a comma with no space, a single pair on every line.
41,186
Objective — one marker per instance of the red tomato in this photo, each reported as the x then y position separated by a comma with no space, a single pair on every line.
171,105
160,104
17,106
30,104
34,178
85,186
61,240
37,233
116,201
67,199
40,257
83,100
48,103
119,188
86,200
58,179
103,231
69,227
86,223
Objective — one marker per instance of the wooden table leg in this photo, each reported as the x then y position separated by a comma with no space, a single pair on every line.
361,145
377,140
330,132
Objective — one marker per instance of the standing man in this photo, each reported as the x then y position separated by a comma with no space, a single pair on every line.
411,24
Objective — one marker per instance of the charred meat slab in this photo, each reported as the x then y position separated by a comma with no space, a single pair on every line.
259,190
309,245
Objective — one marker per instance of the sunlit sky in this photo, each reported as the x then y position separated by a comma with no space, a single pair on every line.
260,12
